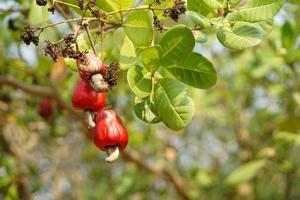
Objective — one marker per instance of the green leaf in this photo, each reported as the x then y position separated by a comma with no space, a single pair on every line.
143,109
199,19
38,14
287,137
176,44
173,106
240,36
71,64
288,35
127,54
195,70
200,37
265,27
259,10
197,6
234,3
112,5
214,4
139,28
151,58
245,172
139,80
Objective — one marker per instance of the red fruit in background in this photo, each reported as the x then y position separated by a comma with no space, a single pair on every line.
45,107
92,65
109,131
85,98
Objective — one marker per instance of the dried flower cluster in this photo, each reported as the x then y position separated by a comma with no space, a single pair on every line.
65,49
41,2
112,74
51,9
28,35
90,5
157,24
80,4
177,10
98,14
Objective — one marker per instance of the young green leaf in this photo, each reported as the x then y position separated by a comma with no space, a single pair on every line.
143,109
198,6
288,35
176,44
38,14
127,54
173,106
139,80
259,10
240,36
287,137
151,57
245,172
112,5
139,28
199,19
195,70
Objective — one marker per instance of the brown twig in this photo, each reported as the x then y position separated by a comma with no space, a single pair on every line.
167,175
39,91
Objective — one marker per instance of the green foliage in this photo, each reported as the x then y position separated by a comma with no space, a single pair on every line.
199,19
139,80
174,108
151,58
144,110
138,27
176,44
259,10
232,140
38,15
245,172
240,36
195,70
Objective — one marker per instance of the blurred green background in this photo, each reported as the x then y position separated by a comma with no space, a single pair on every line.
243,142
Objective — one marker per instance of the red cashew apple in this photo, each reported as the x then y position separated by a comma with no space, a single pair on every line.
93,70
45,107
85,98
109,134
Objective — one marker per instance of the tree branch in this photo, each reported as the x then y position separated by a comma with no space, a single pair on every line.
39,91
167,175
53,93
